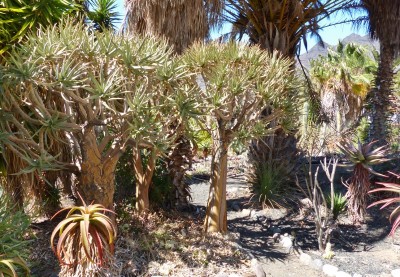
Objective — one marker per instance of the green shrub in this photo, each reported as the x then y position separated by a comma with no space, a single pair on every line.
13,248
270,184
339,204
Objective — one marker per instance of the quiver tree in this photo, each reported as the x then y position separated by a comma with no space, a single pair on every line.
234,82
68,85
182,23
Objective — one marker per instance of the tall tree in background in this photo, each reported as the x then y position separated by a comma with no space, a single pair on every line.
182,23
383,22
281,26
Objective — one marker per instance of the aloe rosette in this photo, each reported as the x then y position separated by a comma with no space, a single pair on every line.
363,157
85,235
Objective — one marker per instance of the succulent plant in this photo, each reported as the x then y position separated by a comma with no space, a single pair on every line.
390,187
86,236
363,157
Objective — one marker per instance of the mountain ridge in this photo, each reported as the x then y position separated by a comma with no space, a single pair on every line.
318,50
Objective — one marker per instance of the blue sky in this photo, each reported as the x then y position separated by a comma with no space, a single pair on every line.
330,35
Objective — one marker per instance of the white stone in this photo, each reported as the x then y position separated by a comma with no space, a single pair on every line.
286,242
257,268
234,275
342,274
317,264
357,275
246,212
305,259
396,272
330,270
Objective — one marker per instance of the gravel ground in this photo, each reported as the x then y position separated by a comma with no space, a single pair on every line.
365,249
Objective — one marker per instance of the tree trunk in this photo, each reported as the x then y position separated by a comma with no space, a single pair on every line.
97,178
178,164
143,179
381,95
216,215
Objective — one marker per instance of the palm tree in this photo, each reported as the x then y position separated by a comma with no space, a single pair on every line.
383,23
343,78
182,23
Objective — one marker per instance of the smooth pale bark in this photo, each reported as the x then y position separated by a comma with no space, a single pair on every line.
97,178
381,95
143,179
216,216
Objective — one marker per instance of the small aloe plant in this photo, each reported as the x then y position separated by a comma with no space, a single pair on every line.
395,215
8,266
85,235
363,158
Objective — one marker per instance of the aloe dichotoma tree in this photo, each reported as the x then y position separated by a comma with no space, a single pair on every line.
182,23
235,82
69,85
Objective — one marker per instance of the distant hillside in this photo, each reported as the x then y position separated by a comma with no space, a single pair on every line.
318,50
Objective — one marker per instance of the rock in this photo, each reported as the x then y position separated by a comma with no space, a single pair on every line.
305,259
234,275
357,275
253,214
276,237
275,230
342,274
246,212
395,272
330,270
287,242
385,275
257,268
317,264
236,207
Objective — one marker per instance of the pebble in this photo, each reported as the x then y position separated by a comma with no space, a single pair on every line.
330,270
357,275
305,259
257,268
396,272
342,274
317,264
246,212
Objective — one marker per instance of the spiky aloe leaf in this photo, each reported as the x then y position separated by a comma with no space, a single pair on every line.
395,215
88,227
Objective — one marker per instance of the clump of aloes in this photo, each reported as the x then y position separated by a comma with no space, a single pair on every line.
395,215
86,239
363,158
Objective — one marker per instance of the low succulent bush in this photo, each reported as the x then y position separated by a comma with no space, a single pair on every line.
394,188
339,204
86,238
363,157
269,184
13,226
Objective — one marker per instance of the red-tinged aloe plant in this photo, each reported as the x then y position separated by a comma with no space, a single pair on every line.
390,187
363,158
8,266
86,236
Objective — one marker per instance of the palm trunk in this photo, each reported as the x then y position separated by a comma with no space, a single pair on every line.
143,179
97,173
216,216
177,166
381,95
